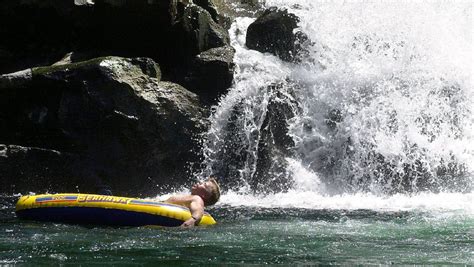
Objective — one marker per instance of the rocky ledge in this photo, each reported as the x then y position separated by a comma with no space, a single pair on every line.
117,92
92,92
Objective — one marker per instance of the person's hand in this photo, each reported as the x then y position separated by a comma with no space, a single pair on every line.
191,222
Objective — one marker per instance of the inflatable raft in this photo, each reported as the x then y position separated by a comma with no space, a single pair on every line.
103,210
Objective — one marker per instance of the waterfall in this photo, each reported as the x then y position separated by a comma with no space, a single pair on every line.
382,102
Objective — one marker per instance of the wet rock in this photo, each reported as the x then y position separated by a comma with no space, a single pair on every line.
113,114
212,73
334,117
257,158
197,32
228,10
51,29
210,7
232,153
35,169
273,32
171,32
275,144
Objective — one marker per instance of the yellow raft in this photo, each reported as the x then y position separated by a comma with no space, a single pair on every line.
93,209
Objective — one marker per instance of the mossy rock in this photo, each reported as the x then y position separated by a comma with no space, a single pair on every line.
114,116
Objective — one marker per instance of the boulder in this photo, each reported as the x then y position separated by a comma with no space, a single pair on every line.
224,12
171,32
197,32
273,32
123,126
212,73
257,157
23,167
333,118
275,144
228,10
210,7
50,29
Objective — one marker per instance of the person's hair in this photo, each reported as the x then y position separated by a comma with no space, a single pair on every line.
215,193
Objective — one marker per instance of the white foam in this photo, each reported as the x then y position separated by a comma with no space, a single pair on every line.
441,202
388,66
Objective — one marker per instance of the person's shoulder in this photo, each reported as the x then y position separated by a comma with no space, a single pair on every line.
197,201
185,200
179,199
190,198
197,198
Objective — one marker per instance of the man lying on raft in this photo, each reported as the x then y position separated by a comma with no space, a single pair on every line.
203,194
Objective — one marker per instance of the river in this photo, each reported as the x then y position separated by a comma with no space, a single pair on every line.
387,180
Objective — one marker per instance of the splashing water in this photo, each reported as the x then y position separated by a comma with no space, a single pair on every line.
399,76
380,104
361,153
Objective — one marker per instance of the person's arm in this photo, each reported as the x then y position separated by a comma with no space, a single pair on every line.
197,211
195,205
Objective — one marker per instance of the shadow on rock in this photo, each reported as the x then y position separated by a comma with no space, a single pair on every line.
106,120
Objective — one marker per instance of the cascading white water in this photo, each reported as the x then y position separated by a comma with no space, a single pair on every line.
382,103
400,75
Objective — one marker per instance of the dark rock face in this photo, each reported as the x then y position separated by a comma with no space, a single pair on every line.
275,145
205,54
23,167
333,118
212,73
50,29
197,32
168,31
119,123
85,119
210,7
258,158
231,9
272,32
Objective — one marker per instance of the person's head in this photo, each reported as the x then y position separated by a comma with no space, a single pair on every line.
208,190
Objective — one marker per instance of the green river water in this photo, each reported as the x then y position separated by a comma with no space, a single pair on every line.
399,75
250,235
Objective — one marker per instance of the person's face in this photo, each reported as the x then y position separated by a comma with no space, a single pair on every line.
202,189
